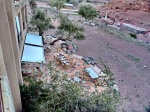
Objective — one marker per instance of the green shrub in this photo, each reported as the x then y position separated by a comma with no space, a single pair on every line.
89,1
133,35
87,12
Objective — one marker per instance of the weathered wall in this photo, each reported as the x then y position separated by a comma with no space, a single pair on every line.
8,45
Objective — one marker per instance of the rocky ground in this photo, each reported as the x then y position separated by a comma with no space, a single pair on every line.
128,60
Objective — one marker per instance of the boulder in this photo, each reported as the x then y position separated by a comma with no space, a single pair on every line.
75,46
73,51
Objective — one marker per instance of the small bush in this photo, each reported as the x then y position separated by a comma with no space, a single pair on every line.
89,1
133,35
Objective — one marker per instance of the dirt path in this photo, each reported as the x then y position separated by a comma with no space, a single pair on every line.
129,62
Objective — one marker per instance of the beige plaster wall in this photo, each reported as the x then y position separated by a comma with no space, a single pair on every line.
10,50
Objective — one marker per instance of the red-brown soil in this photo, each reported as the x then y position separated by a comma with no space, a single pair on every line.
135,12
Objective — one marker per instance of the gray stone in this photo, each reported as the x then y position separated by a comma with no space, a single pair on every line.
73,51
64,49
93,24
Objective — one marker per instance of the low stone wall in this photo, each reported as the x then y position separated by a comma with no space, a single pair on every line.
134,29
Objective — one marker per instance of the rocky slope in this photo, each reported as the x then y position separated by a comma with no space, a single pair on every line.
136,12
125,5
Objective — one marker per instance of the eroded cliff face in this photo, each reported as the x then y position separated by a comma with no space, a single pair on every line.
136,12
143,5
125,5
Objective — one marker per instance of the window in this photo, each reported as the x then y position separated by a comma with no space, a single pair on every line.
18,29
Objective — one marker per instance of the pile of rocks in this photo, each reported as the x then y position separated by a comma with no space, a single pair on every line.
69,48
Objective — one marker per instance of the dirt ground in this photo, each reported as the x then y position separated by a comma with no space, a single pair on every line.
128,61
